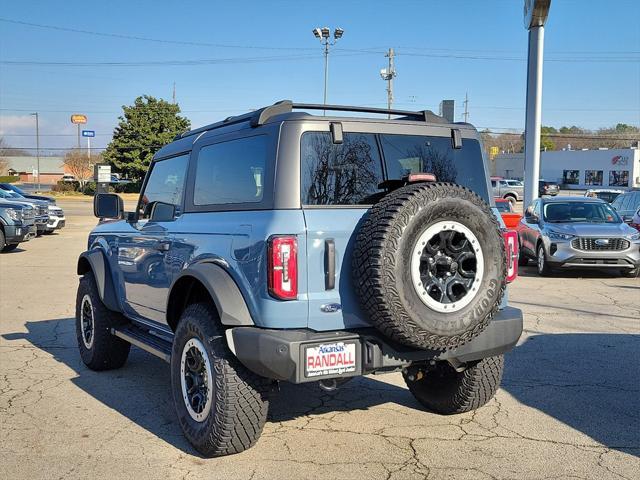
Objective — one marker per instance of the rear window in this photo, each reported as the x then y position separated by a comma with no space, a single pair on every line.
350,173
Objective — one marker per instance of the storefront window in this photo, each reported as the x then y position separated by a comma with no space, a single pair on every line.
593,177
619,178
571,177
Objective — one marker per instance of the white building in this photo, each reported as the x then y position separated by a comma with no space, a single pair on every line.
578,169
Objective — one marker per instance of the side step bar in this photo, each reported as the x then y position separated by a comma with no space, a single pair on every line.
145,340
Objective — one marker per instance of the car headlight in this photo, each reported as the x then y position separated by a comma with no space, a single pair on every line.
14,214
553,235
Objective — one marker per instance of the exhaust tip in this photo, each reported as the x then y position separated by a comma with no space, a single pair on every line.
328,385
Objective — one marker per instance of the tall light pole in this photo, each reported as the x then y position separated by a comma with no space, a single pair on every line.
324,35
387,74
37,146
535,16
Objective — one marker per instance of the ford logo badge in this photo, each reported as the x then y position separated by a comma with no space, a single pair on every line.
602,242
331,308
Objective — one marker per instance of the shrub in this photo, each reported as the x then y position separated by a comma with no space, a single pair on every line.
133,187
64,187
9,178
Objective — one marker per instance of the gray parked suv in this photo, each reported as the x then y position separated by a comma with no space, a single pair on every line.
573,232
282,246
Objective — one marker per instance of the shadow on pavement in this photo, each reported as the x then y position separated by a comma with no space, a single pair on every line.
590,382
530,271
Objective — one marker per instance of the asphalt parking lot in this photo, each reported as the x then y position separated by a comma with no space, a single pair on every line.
569,406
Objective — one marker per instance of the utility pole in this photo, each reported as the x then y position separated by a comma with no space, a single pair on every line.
466,107
37,146
174,93
387,74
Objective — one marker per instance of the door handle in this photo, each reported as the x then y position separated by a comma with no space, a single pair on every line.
163,246
329,264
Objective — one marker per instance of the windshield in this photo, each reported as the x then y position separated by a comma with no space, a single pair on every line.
572,212
503,207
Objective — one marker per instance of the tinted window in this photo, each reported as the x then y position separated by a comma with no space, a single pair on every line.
165,184
580,212
405,154
340,174
231,172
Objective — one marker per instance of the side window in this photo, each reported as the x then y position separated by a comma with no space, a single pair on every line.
493,183
536,208
165,184
340,174
231,172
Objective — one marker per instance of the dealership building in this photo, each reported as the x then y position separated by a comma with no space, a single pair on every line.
579,169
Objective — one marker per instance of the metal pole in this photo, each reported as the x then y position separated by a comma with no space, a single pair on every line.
89,147
78,136
326,70
38,147
534,114
390,74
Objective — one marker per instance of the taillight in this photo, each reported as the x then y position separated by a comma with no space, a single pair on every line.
283,267
511,246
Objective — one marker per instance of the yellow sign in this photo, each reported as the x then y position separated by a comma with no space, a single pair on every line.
493,151
78,118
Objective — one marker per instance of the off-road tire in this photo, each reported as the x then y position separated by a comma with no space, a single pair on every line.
448,392
2,240
10,247
240,397
106,351
383,251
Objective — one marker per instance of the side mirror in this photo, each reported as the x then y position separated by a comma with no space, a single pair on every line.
108,205
162,212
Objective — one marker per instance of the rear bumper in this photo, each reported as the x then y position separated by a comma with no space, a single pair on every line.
280,354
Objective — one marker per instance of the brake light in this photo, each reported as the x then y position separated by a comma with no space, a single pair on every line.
283,267
511,246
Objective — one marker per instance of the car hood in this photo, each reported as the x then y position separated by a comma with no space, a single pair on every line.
592,229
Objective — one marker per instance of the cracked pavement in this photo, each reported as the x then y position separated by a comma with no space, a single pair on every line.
568,407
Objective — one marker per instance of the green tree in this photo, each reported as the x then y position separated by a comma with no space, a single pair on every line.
143,129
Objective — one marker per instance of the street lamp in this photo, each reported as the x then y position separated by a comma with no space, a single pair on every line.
37,146
535,16
324,35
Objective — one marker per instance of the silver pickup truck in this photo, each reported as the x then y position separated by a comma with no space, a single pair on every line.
512,190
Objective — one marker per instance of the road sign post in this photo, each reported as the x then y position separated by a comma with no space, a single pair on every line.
78,119
89,134
535,16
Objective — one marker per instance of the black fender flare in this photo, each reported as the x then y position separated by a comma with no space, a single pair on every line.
223,290
95,261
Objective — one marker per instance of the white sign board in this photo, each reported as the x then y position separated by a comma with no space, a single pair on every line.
104,173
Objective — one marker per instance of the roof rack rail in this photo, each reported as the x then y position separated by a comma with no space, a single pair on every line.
262,115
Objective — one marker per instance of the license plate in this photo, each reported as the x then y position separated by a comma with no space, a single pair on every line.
330,359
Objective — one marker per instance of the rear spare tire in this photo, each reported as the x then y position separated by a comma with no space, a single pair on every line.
429,265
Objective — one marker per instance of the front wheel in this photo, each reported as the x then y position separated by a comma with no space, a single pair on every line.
631,272
544,269
10,247
446,391
221,406
99,348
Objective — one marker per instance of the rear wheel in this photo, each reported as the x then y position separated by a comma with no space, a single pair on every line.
221,406
99,348
446,391
511,199
2,240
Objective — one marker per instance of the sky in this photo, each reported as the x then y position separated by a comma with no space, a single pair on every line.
229,57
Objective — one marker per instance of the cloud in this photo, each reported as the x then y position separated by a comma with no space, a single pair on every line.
12,124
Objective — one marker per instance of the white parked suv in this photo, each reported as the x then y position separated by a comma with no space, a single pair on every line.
56,219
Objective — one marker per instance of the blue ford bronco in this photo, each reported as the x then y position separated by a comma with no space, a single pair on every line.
283,246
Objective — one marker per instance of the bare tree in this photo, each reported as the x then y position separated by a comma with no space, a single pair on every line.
8,151
4,165
80,165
